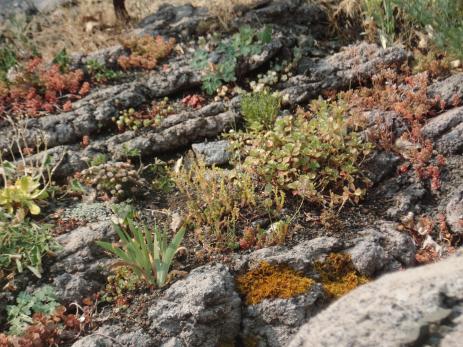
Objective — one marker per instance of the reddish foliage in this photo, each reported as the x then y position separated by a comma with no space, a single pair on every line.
194,101
145,51
41,88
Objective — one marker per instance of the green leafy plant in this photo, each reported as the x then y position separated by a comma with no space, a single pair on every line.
146,252
8,59
312,154
23,244
243,44
100,73
99,159
63,60
43,300
260,110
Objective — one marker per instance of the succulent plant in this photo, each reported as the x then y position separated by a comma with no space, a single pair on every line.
118,180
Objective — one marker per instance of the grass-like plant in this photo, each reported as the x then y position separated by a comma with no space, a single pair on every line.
260,110
441,20
216,199
146,252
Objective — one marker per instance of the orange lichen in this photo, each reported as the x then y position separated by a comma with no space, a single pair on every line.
270,282
338,275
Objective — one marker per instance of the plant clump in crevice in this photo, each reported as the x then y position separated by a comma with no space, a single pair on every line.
338,275
270,282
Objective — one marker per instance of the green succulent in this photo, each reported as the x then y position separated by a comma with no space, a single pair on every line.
22,197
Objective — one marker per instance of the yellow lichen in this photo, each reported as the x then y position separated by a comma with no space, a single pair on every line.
338,275
270,282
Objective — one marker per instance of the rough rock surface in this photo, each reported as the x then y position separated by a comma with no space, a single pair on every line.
382,248
201,310
448,90
272,323
212,152
79,269
375,250
416,307
109,336
447,131
454,211
353,65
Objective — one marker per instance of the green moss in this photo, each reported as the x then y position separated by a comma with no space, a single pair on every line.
338,275
270,282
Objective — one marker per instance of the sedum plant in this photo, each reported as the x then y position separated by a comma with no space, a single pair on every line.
114,180
147,253
312,154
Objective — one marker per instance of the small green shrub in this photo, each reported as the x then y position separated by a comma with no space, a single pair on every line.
260,110
8,59
245,43
43,300
146,252
23,244
63,60
100,73
312,154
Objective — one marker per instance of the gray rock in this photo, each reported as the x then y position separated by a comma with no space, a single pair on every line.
299,257
213,153
49,5
381,165
201,310
112,336
408,199
346,69
273,322
382,248
80,268
407,308
11,8
448,89
447,131
454,211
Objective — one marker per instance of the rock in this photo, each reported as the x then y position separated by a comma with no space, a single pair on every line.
447,131
80,268
299,257
213,153
382,248
95,112
110,336
272,323
417,307
381,165
448,90
49,5
454,211
200,310
346,69
408,199
11,8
